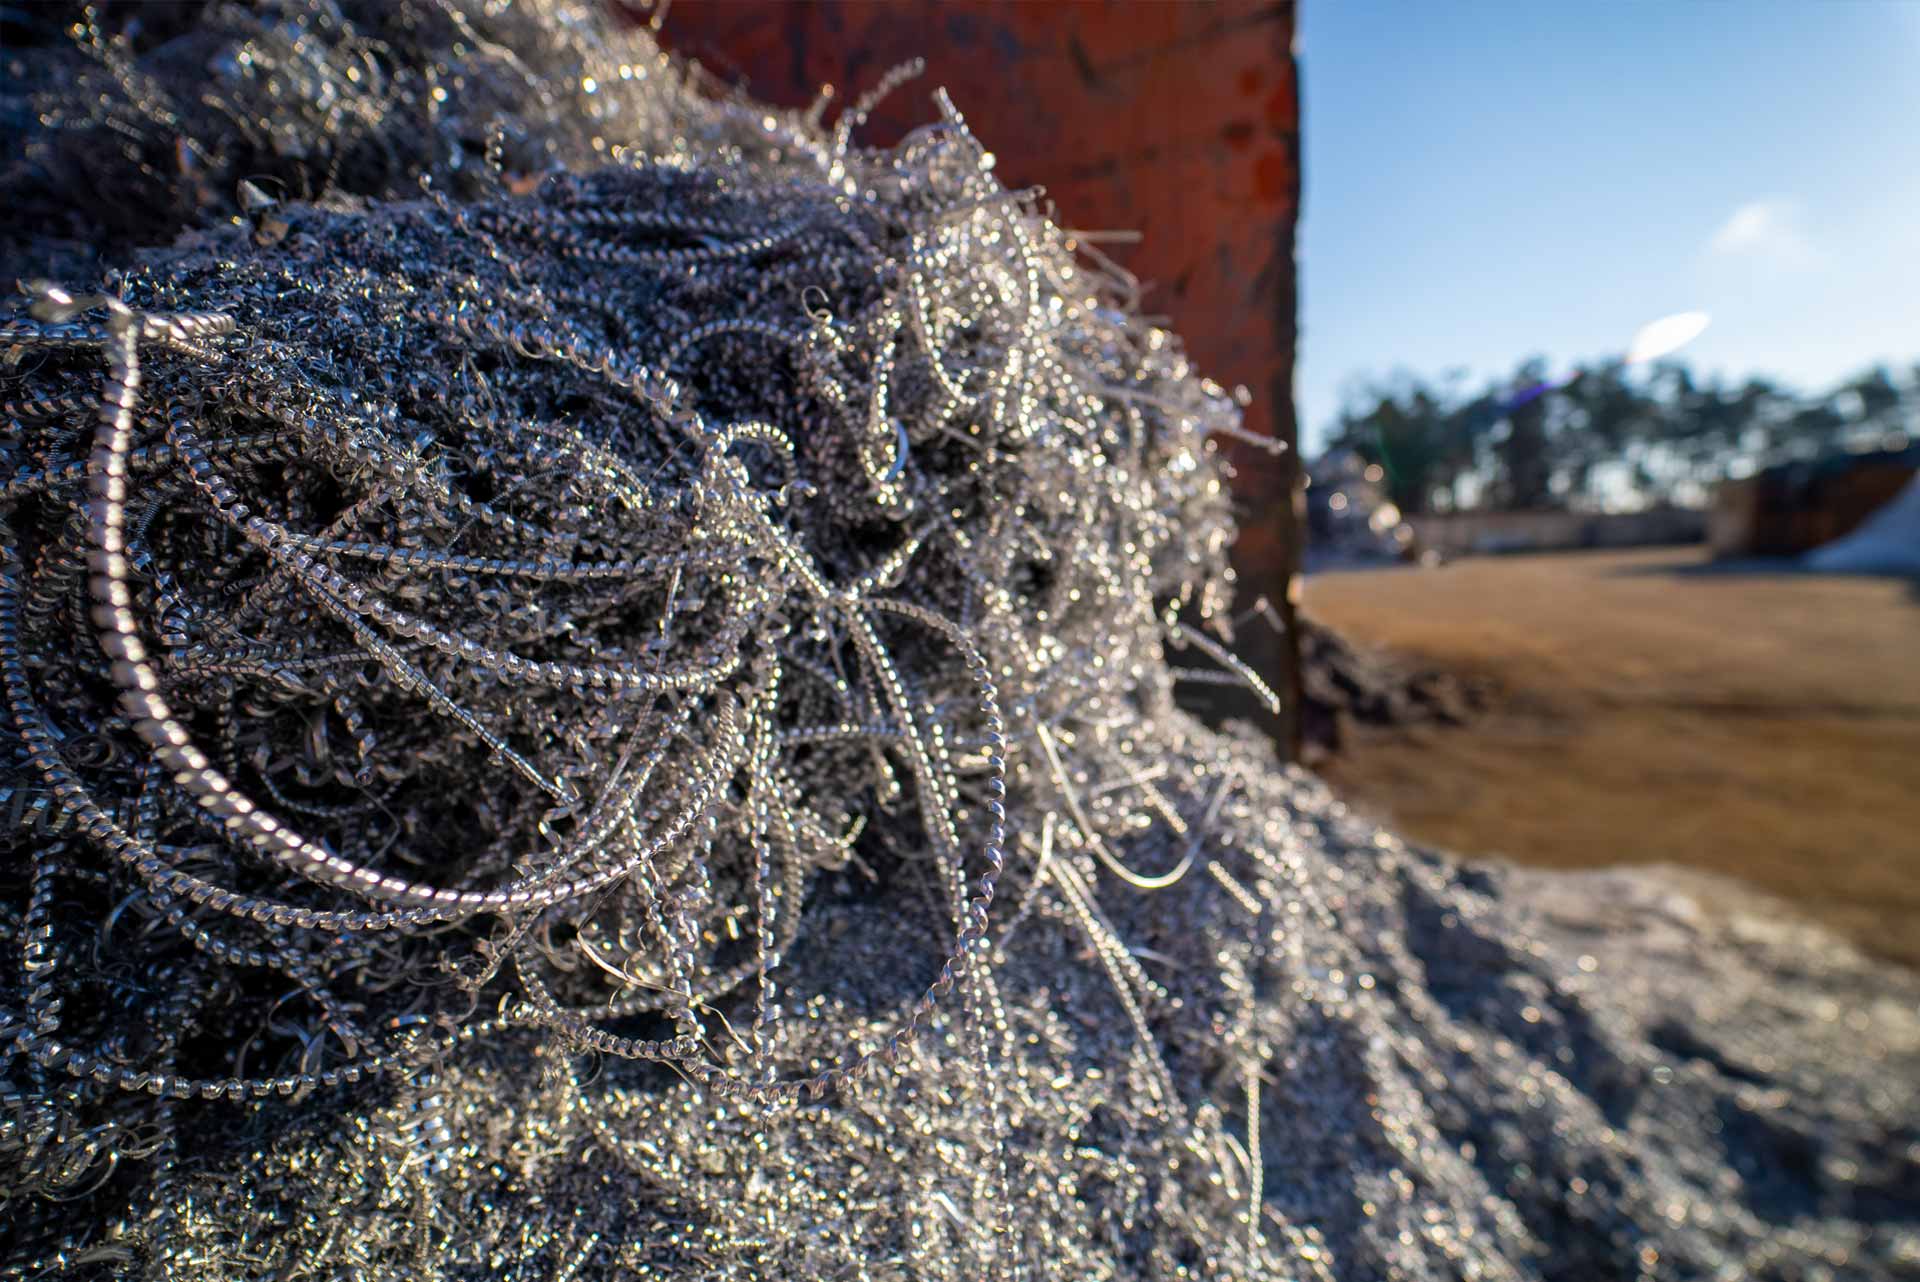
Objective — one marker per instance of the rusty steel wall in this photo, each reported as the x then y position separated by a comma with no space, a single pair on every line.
1177,120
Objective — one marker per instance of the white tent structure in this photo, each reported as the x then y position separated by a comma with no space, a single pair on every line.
1888,542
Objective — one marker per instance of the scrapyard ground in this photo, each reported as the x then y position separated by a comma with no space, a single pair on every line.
1648,707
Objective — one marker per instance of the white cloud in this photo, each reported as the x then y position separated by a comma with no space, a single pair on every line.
1768,230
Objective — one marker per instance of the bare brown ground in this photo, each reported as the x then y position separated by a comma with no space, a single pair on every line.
1652,710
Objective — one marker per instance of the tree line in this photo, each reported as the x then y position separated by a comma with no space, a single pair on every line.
1607,436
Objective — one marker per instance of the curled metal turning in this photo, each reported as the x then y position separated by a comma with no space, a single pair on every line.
587,695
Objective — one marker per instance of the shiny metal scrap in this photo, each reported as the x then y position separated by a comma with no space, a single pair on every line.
587,695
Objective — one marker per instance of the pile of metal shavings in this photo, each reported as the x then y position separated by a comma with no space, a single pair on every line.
619,720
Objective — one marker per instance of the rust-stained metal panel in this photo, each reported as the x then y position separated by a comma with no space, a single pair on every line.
1178,120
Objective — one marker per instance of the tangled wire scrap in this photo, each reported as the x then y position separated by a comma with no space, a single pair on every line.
614,721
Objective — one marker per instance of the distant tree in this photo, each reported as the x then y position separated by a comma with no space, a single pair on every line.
1467,430
1605,415
1815,428
1876,398
1662,436
1707,423
1404,430
1763,403
1525,459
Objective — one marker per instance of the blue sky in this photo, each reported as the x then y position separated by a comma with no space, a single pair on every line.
1490,180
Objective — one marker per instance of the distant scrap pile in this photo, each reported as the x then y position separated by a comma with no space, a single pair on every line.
1868,502
1887,542
1350,520
1343,685
612,717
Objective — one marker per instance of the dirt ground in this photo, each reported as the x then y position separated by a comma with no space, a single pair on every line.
1651,708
